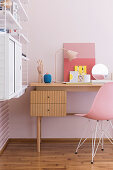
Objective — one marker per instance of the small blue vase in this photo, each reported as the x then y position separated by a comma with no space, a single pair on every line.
47,78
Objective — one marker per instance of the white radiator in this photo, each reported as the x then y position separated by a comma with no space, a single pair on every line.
4,123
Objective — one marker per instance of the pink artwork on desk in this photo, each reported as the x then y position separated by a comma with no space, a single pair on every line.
86,57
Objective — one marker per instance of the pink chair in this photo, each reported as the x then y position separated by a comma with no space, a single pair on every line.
101,110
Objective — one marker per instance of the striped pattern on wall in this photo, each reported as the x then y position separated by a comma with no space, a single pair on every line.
4,123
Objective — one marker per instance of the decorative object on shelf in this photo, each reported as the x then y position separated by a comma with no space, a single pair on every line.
8,3
14,32
14,10
3,30
40,71
70,55
14,7
100,71
47,78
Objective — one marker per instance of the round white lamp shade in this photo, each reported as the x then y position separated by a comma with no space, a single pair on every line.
100,71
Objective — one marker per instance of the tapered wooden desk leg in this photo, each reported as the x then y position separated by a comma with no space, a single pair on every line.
38,133
40,129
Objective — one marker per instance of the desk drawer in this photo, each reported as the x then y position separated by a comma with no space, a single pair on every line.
55,110
43,97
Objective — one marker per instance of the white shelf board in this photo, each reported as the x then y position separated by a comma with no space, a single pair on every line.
11,22
21,92
21,11
18,94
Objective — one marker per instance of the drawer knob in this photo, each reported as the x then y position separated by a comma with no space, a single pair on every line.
48,97
48,110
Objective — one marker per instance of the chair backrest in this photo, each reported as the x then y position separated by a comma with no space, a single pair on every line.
102,107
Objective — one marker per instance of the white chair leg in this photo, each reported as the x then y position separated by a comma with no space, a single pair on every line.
98,130
80,142
111,127
78,146
107,134
94,141
102,142
94,150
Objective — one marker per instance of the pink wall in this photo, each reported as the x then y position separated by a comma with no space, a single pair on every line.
52,23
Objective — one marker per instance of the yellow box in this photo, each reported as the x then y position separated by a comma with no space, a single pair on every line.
81,69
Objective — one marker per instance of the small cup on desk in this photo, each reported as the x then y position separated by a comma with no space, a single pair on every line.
87,78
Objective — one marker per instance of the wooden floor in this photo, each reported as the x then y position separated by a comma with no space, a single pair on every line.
55,156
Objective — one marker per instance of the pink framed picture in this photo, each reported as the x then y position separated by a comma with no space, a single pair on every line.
86,57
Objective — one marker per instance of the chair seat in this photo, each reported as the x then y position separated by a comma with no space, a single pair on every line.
81,115
95,117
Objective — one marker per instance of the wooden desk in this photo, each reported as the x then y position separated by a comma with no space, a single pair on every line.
51,100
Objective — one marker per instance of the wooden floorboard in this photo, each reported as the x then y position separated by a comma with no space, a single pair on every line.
55,156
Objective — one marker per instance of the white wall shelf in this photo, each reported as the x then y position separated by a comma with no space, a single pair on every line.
21,92
10,66
13,66
11,21
21,11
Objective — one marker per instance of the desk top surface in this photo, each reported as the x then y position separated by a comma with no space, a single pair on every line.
35,84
